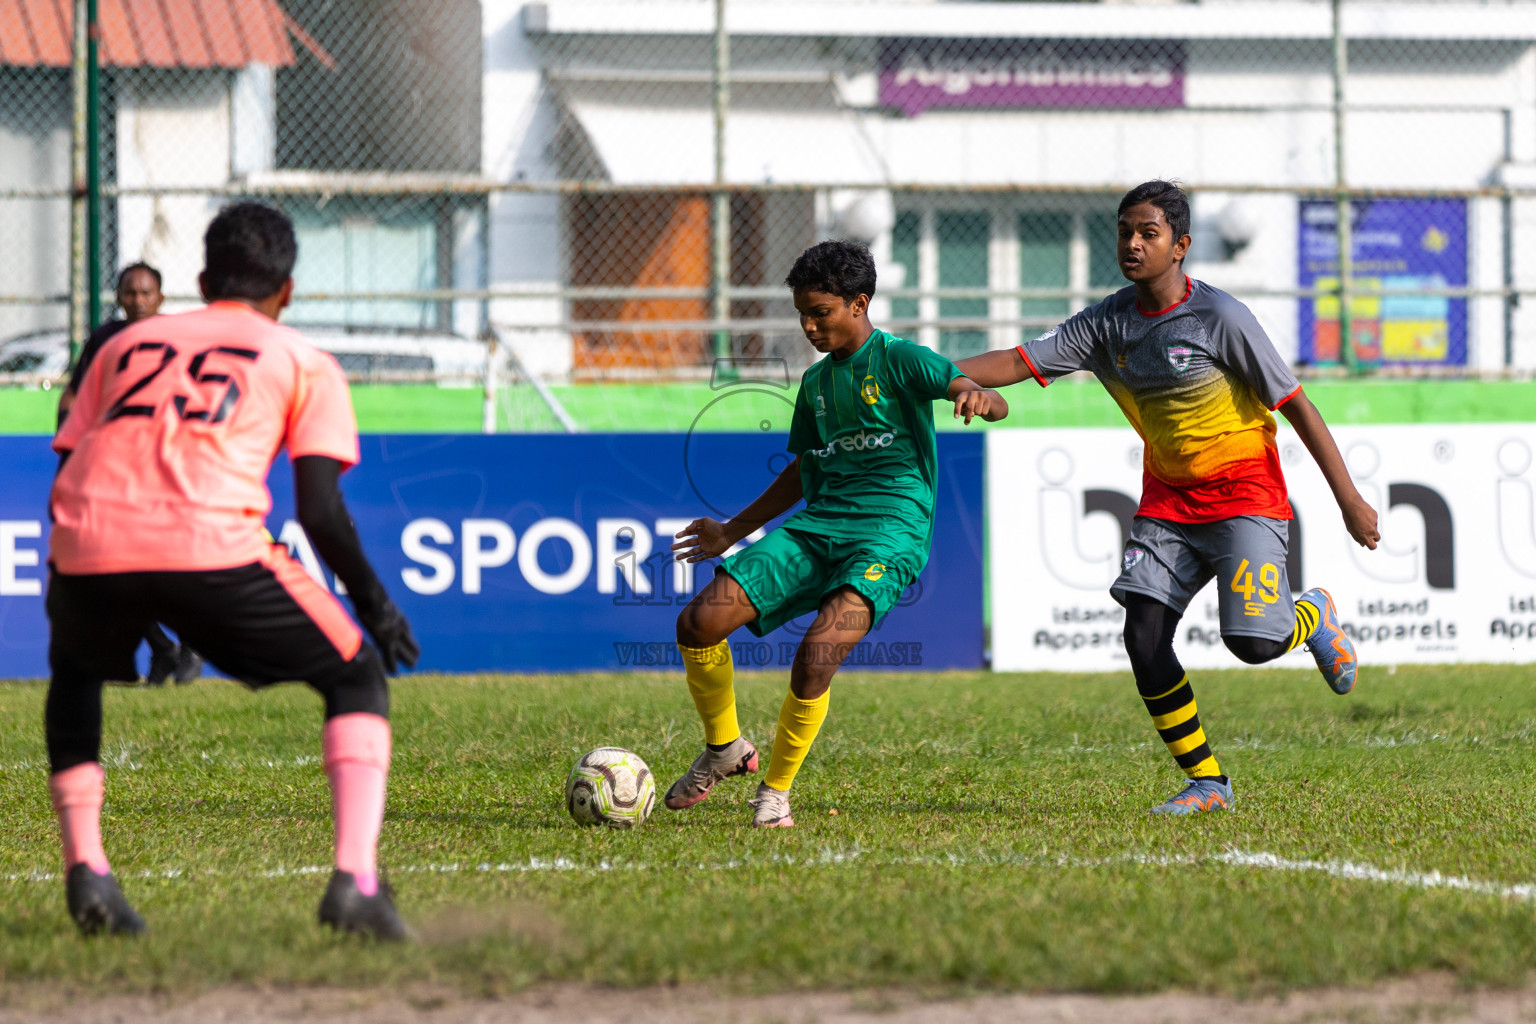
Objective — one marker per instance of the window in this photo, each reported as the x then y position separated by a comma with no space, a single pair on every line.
354,246
1102,229
999,253
905,238
1045,260
964,241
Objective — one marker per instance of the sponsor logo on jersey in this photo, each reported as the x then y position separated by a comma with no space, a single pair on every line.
864,441
1179,356
874,572
1132,559
1049,334
870,392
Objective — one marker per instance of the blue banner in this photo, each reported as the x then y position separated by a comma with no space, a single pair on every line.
1399,247
548,553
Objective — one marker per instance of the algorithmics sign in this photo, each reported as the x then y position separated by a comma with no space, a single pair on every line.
1022,74
1454,579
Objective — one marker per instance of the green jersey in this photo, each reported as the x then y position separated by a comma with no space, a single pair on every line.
863,429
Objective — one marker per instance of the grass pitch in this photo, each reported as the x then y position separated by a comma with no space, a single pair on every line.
989,833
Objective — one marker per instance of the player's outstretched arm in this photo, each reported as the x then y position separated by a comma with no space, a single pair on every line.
709,538
1359,517
323,514
971,399
995,369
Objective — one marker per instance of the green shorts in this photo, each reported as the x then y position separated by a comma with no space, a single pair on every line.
788,572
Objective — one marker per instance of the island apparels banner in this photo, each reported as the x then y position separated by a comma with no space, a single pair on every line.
1454,579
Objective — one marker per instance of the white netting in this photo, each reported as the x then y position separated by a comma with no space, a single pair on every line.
548,172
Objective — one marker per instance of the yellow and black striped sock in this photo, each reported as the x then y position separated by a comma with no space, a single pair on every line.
1308,615
1175,718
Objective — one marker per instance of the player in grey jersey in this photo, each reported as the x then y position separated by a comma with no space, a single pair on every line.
1198,379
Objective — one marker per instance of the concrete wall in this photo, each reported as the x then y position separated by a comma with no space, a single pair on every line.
172,130
34,233
525,241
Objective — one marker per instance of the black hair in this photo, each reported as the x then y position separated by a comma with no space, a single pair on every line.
837,266
122,275
248,252
1167,196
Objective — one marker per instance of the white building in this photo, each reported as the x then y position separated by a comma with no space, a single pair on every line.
204,98
985,182
979,146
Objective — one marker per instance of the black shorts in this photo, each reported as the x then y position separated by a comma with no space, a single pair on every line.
262,623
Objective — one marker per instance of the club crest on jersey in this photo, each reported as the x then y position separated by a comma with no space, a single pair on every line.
1179,356
870,392
1132,559
874,572
821,406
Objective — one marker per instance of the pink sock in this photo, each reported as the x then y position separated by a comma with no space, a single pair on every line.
77,794
356,749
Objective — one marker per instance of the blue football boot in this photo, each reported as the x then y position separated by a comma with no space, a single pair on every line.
1329,644
1199,796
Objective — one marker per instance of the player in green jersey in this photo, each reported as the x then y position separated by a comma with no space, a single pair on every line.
866,464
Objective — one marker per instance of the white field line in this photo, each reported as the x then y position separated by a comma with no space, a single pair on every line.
1258,861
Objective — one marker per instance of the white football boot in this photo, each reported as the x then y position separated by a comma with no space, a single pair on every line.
740,758
770,808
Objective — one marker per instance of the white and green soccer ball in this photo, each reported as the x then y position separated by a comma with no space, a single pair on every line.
610,786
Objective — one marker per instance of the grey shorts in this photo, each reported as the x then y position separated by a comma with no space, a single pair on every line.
1169,562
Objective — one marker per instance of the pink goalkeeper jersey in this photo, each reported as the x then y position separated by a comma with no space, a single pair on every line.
174,429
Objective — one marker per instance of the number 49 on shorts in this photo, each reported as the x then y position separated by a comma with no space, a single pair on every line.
1268,589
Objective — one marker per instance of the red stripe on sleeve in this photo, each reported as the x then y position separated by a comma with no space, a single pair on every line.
1287,398
1030,363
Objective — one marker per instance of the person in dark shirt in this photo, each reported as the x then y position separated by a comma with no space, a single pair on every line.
139,297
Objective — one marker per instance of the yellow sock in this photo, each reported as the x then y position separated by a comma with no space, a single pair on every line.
710,678
799,722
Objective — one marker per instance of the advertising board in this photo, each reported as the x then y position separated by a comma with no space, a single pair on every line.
1401,246
919,74
548,553
1454,579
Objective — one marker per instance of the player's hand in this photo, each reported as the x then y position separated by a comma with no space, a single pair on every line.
981,403
701,539
1360,521
392,635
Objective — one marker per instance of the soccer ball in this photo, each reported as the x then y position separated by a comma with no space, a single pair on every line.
610,786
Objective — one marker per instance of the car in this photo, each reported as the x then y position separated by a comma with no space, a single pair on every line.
384,355
369,355
37,359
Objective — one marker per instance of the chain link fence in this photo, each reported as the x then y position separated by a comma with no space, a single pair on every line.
584,210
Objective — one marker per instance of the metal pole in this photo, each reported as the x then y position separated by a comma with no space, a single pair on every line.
488,395
1511,297
93,165
1507,242
721,277
1342,229
79,308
